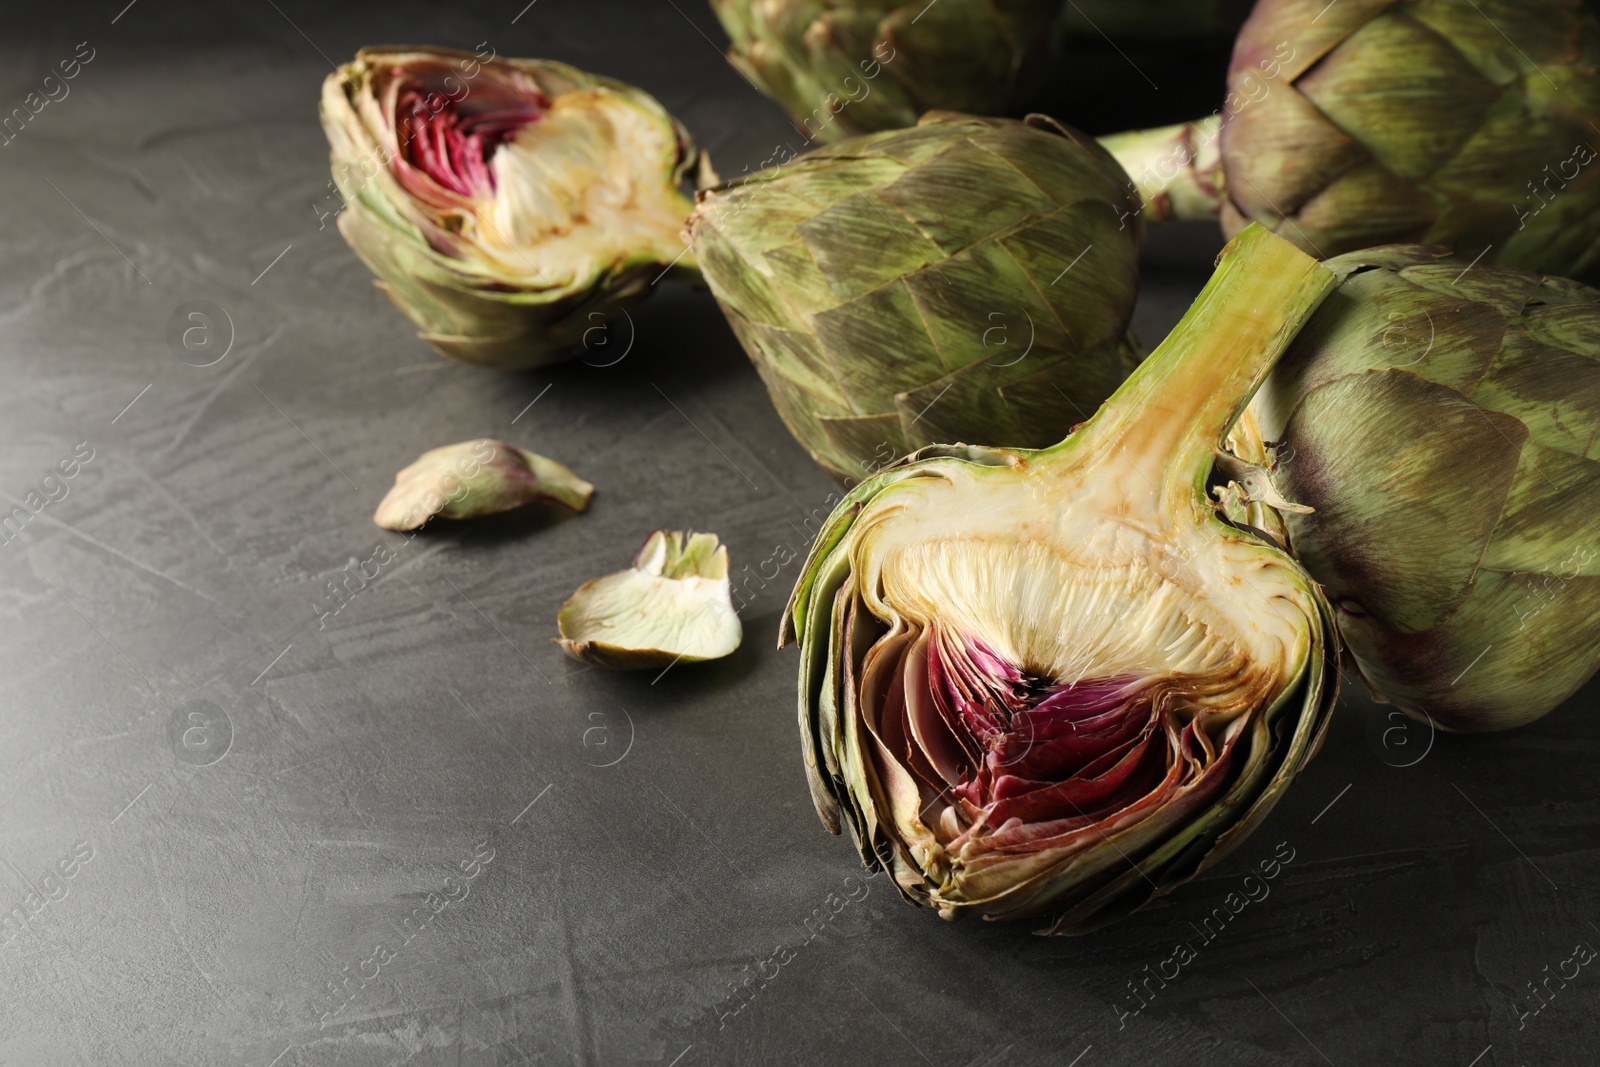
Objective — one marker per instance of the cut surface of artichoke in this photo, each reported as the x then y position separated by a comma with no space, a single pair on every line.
1059,682
575,190
507,206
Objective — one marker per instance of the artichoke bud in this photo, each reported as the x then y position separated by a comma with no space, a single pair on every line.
1442,423
473,478
881,320
857,66
1348,125
673,605
1058,682
506,205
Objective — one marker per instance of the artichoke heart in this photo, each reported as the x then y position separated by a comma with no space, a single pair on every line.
1059,682
506,206
573,193
673,606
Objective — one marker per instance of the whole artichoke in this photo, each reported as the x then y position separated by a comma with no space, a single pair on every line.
507,206
965,280
1468,123
1058,682
1445,426
845,67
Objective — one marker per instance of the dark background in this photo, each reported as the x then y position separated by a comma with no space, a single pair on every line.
343,774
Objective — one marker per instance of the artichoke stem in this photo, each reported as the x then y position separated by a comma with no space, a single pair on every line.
1169,417
1177,170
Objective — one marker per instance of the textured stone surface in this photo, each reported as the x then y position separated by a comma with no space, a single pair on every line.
266,790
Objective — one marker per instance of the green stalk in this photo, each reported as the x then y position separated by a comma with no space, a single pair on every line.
1176,169
1167,420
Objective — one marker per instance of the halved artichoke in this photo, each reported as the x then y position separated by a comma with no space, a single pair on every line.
506,205
1059,682
672,606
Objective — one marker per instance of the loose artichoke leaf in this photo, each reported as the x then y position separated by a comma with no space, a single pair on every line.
672,606
473,478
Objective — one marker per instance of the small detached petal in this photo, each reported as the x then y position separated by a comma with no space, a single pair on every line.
672,606
482,477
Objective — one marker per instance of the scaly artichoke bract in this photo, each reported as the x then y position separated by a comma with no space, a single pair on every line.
1445,426
1468,123
845,67
473,478
965,280
1058,682
506,205
671,606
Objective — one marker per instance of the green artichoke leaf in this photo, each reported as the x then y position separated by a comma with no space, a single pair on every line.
672,606
473,478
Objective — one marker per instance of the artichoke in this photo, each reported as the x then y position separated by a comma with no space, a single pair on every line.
846,67
1445,428
1059,682
881,319
672,605
1468,123
842,68
506,205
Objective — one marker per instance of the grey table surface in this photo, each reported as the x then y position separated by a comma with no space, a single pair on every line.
564,865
